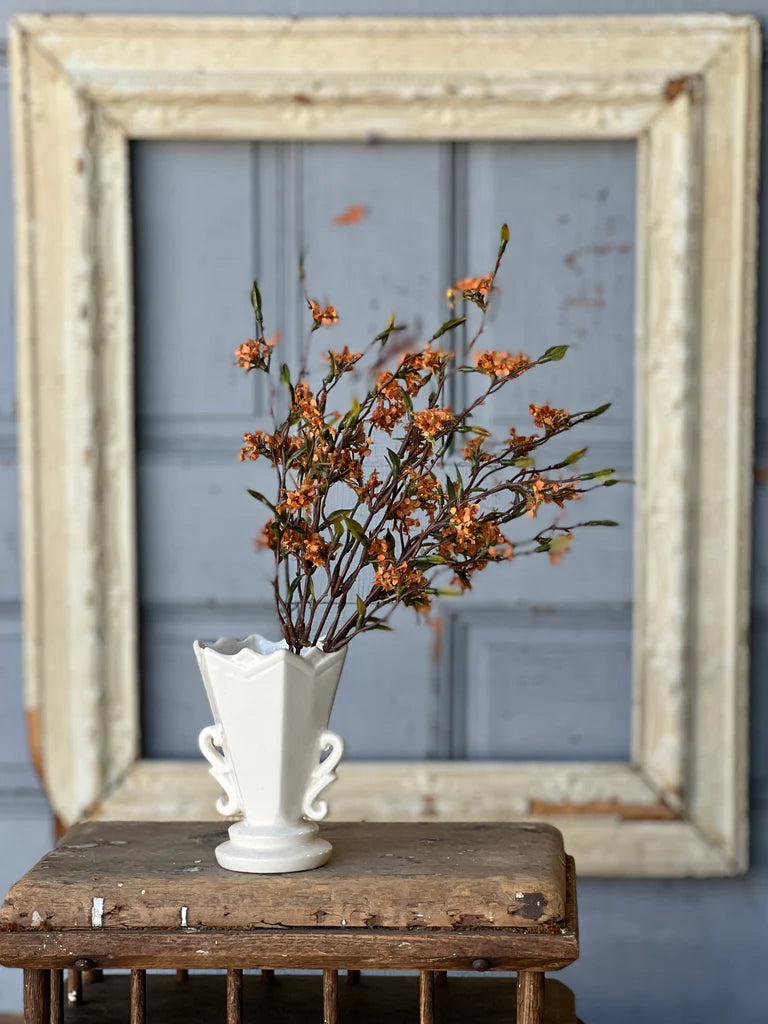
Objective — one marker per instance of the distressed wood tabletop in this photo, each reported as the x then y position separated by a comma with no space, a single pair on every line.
152,875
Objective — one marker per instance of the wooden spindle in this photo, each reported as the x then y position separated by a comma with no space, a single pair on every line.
427,997
74,986
138,997
530,997
234,997
353,977
182,975
268,976
93,976
57,997
330,997
37,996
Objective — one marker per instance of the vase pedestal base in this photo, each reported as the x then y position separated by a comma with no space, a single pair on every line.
273,851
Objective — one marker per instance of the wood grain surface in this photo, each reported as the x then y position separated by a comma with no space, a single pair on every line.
104,876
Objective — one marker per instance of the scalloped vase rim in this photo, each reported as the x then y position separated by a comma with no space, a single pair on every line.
243,652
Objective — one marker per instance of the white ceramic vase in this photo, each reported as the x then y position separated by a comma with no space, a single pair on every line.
271,710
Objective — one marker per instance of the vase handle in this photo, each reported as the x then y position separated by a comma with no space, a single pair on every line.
322,775
209,740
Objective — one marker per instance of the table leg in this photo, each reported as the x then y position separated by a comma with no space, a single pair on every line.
74,986
138,994
234,997
530,997
427,997
37,996
330,997
57,997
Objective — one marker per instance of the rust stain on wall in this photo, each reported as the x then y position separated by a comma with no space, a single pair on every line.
626,812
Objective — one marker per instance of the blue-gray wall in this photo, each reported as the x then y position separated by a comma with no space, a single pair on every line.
693,951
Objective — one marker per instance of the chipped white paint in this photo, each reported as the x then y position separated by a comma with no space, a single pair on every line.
37,919
83,86
97,912
184,916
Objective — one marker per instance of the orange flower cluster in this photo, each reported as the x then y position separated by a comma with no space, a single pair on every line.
502,364
325,316
521,444
469,533
548,418
395,577
546,492
473,289
367,491
390,407
404,513
434,422
310,546
296,501
305,405
345,359
253,354
474,452
261,443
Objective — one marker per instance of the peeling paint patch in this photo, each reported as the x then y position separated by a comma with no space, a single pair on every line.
37,919
184,917
97,912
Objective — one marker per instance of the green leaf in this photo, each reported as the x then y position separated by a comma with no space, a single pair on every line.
504,233
449,325
601,522
554,354
594,412
459,484
447,592
407,402
450,489
391,328
260,497
573,457
360,611
256,299
285,374
597,474
339,513
394,460
612,483
356,529
523,462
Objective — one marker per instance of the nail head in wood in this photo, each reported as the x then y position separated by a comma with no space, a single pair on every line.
138,997
481,964
234,997
84,964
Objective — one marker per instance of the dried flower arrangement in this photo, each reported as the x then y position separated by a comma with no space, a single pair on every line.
421,512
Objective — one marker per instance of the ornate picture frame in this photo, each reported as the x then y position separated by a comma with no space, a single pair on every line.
686,89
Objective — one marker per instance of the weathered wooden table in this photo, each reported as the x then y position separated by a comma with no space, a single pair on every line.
431,898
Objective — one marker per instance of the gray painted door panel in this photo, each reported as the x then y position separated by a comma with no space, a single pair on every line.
207,217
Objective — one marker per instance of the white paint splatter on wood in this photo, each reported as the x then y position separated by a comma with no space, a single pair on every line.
97,912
